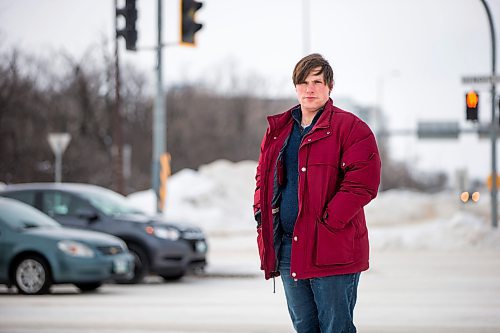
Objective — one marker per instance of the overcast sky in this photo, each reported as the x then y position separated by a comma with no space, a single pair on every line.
408,56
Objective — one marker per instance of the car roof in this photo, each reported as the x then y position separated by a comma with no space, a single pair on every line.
71,187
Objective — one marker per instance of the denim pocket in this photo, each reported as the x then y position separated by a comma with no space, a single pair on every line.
334,246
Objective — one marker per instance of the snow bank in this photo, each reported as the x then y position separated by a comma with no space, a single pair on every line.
219,198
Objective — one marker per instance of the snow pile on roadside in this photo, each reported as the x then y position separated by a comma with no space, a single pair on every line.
218,198
462,231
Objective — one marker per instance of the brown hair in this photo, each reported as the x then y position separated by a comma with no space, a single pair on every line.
307,64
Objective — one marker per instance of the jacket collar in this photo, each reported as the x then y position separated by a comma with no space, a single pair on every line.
280,120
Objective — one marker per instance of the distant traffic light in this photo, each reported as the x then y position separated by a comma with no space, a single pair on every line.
188,25
472,105
129,12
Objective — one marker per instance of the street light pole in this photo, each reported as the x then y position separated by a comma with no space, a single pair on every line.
305,27
494,121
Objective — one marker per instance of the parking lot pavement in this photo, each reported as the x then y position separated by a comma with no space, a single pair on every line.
404,291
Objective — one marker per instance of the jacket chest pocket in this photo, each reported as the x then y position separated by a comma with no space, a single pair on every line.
323,172
333,246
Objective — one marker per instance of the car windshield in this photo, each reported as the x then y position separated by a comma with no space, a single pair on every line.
109,202
21,216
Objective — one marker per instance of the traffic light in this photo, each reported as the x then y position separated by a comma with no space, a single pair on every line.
472,104
188,25
129,12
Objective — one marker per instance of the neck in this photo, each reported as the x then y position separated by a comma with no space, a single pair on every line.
308,116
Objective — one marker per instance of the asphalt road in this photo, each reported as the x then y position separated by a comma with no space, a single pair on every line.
404,292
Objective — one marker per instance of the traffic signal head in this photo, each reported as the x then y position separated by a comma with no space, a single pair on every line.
129,12
188,25
472,105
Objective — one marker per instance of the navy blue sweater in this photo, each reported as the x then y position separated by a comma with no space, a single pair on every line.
289,206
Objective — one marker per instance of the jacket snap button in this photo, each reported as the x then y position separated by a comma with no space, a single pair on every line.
309,140
295,238
303,169
274,138
295,280
343,164
294,274
327,132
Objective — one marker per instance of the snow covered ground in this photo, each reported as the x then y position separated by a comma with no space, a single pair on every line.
219,196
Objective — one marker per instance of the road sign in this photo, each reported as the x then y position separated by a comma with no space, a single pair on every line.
438,130
58,142
481,79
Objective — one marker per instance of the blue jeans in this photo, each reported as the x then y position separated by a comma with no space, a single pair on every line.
324,304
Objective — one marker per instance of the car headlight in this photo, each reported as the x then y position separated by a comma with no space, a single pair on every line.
163,232
75,249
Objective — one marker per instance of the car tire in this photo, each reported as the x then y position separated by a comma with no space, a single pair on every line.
172,277
32,275
141,266
88,287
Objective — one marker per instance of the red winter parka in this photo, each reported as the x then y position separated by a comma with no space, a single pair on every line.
339,173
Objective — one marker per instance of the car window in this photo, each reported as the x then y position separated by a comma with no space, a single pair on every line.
55,203
28,197
109,202
20,216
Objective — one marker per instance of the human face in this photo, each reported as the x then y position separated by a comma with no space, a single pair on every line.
313,93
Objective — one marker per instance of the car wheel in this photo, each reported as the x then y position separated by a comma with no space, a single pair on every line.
141,266
32,275
88,286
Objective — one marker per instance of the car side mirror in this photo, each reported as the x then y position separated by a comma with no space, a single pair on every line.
87,213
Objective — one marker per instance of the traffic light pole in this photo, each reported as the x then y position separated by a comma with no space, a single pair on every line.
116,124
159,118
494,121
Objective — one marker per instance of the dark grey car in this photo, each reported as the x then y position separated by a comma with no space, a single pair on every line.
159,247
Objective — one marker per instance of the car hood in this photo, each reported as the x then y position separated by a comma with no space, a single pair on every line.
87,236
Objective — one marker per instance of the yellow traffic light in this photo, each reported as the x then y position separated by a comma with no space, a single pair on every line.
472,104
475,196
472,99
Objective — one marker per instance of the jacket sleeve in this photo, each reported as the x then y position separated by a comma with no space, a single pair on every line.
256,197
361,168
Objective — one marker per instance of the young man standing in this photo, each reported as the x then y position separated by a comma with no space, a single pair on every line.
318,167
